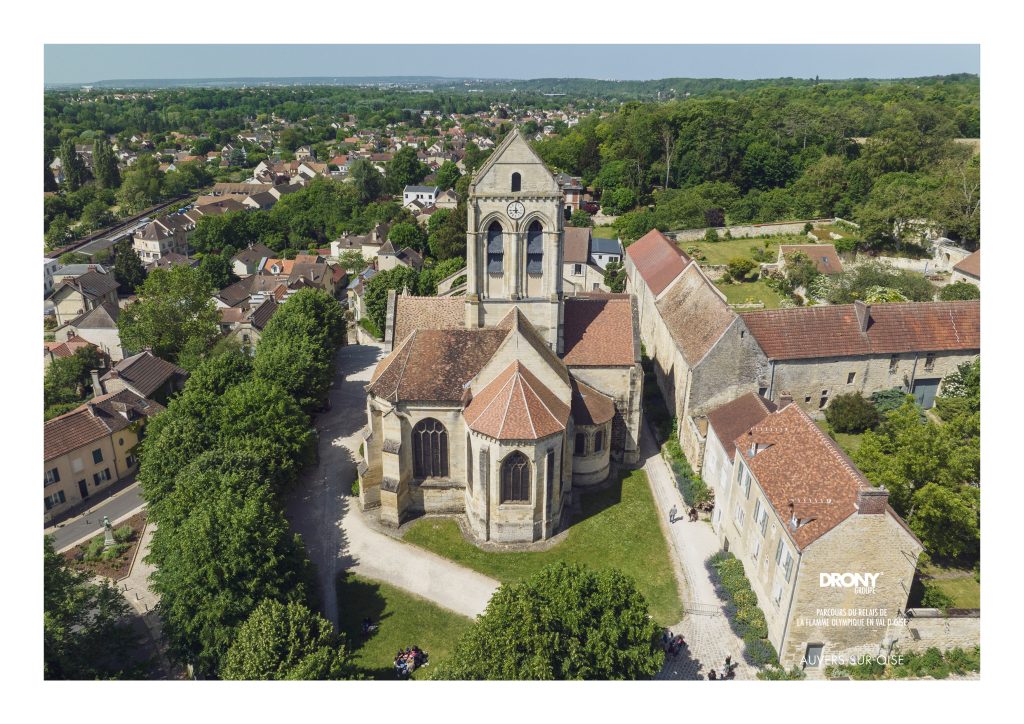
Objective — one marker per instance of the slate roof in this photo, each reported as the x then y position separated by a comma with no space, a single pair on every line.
896,328
253,254
576,247
92,284
657,259
103,316
434,364
970,265
802,466
515,405
734,418
600,245
94,421
599,331
144,372
259,316
420,190
427,313
695,314
590,407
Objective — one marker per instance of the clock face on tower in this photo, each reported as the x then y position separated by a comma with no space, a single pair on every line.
516,210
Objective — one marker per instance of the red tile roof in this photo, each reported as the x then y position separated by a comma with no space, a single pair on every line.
657,259
599,331
835,331
576,246
96,419
803,468
68,347
412,313
734,418
970,265
590,407
824,256
515,405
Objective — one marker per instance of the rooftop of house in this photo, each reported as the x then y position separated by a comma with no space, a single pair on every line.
515,405
657,259
92,284
93,421
576,247
695,314
144,372
736,417
845,330
420,190
970,265
103,316
253,254
68,347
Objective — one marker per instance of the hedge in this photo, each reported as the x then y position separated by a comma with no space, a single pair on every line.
748,621
694,490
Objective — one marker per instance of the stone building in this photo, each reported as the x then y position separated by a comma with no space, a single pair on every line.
831,563
705,354
498,404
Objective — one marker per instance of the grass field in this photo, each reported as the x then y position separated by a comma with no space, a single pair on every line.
957,583
404,620
605,232
757,291
720,252
849,443
619,529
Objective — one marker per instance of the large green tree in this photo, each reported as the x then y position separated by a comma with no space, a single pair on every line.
67,379
367,180
286,641
175,314
104,164
404,169
128,269
72,166
448,175
376,294
565,622
86,632
142,184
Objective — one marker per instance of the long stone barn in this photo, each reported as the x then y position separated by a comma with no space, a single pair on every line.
706,354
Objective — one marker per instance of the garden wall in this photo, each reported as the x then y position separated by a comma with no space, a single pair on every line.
749,230
924,628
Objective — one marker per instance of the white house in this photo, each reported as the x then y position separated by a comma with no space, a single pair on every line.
426,195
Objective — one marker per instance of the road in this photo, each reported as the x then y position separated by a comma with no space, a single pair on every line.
121,504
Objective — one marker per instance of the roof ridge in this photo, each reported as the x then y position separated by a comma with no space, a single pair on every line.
526,404
508,403
540,399
496,395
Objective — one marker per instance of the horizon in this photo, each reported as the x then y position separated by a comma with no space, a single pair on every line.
91,64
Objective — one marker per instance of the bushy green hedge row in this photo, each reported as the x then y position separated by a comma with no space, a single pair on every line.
748,620
932,662
695,491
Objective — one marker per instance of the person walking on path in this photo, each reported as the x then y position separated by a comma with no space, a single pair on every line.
672,515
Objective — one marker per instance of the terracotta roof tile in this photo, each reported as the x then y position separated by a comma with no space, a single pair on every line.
970,265
695,314
412,313
516,321
734,418
657,259
835,331
590,407
599,331
515,405
94,421
576,249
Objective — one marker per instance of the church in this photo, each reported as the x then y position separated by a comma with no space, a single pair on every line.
497,405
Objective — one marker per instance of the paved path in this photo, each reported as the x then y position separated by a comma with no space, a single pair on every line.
121,504
337,537
708,635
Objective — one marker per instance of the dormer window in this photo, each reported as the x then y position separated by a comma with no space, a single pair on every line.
517,182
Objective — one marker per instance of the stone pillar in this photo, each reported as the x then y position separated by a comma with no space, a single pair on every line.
394,486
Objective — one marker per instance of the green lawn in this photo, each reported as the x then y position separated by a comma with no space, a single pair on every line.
619,529
720,252
745,292
957,583
605,232
404,620
848,442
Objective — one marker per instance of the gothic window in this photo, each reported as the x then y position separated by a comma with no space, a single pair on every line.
515,479
535,249
599,441
469,465
581,444
517,182
429,449
495,248
551,473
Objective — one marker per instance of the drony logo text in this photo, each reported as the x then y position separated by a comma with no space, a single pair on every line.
848,580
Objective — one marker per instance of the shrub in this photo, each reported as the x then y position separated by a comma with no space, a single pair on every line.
888,400
711,235
808,227
367,324
747,619
355,488
694,490
124,534
777,673
727,235
852,413
958,291
741,268
935,598
759,651
114,551
94,549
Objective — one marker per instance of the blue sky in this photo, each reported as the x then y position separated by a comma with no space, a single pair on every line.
85,63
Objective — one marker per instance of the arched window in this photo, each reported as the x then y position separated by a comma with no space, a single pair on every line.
550,473
469,465
535,248
495,248
515,479
581,444
598,440
517,182
429,449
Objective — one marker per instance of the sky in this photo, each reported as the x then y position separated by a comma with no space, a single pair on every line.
90,63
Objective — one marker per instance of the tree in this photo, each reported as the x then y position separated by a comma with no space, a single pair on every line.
615,277
948,520
580,218
447,239
405,169
426,284
141,187
218,269
353,261
67,379
801,271
742,268
286,641
128,269
617,201
228,555
104,164
175,309
959,291
852,413
86,634
565,622
376,294
95,215
49,182
448,175
72,166
965,382
367,180
408,234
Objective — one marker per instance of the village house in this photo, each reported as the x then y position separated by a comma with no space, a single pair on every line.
499,403
98,326
67,348
426,195
146,375
968,270
248,260
92,447
167,235
824,256
813,534
245,324
74,296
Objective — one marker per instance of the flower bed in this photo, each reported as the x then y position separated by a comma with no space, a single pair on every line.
116,561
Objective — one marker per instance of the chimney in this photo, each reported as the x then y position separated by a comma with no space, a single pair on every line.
97,389
785,400
863,312
872,501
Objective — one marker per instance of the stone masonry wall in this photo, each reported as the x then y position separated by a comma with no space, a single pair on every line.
749,230
925,628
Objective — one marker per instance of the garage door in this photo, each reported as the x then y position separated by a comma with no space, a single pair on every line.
924,392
